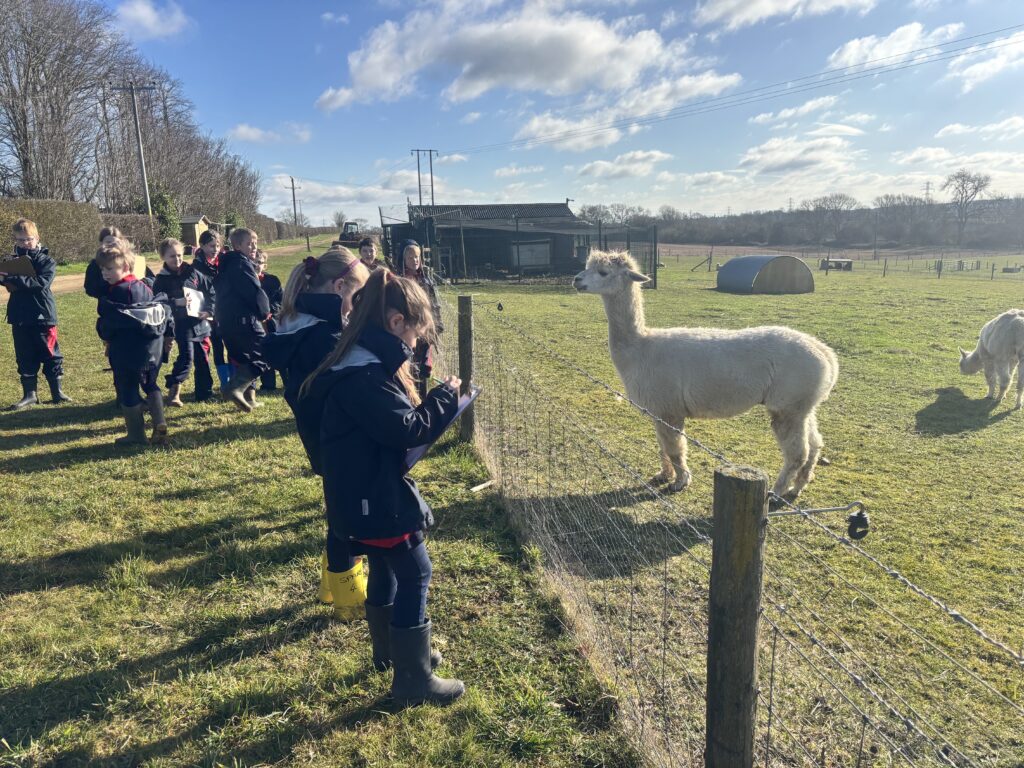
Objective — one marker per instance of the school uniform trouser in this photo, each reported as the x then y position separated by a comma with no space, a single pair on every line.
192,352
401,576
36,345
127,382
217,345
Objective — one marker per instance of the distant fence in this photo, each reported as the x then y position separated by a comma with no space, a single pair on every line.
845,675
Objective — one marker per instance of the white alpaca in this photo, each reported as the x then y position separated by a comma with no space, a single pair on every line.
708,373
1000,348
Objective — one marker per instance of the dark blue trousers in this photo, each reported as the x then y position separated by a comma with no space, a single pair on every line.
400,576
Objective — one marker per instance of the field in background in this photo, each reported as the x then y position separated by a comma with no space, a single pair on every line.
938,467
157,606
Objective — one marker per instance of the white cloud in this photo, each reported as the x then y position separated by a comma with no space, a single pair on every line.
145,20
294,132
924,156
596,130
469,118
976,65
789,154
859,118
517,170
814,105
671,19
335,98
450,159
709,179
1004,130
834,129
894,47
334,18
734,14
631,164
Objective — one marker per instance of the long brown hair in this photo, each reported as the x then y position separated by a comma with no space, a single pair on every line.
383,292
317,275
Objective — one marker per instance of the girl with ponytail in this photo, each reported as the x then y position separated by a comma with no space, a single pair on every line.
370,416
317,299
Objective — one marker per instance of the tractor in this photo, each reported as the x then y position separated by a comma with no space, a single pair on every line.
350,235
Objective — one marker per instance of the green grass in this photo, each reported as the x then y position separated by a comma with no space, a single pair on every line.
938,467
157,606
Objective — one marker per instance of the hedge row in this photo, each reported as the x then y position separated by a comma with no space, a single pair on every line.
69,230
135,227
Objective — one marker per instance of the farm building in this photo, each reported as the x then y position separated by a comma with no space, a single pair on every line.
765,273
514,238
192,227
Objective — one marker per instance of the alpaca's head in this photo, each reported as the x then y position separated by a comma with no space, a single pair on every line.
970,362
608,273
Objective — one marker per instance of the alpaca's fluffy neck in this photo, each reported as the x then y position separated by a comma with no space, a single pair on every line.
625,311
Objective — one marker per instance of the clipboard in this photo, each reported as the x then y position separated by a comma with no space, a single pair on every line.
413,455
17,265
195,302
139,270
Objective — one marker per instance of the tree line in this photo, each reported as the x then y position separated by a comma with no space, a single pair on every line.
67,131
971,216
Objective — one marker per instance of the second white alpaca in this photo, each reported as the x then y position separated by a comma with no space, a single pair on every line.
1000,349
709,373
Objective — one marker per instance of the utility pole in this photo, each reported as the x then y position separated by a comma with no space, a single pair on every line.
419,178
295,210
131,87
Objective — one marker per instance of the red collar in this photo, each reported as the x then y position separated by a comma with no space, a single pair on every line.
126,279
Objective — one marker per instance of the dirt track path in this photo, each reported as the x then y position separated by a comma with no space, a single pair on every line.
73,283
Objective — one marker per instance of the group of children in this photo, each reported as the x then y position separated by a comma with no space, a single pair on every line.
351,338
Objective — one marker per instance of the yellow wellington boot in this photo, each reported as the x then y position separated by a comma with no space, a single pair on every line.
325,586
349,592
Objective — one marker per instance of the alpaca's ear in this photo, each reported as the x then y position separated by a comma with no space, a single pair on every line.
962,353
636,277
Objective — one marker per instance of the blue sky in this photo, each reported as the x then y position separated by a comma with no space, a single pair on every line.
540,100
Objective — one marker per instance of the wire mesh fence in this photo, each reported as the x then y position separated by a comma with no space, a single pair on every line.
858,665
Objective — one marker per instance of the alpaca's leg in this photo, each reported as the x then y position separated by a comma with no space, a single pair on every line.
667,474
990,377
673,446
791,433
1005,372
1020,383
814,444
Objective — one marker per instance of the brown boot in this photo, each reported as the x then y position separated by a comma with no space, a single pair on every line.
174,396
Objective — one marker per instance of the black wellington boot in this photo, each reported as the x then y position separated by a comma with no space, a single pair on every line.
28,391
57,395
414,681
378,618
234,392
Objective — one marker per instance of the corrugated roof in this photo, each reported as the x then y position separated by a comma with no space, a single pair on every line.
194,219
740,274
506,211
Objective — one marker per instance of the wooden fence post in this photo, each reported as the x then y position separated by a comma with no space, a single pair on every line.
885,267
467,422
308,249
993,270
734,607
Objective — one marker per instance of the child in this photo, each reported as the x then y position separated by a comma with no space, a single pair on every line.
32,314
411,266
206,261
242,309
275,295
369,421
191,333
368,253
316,302
135,326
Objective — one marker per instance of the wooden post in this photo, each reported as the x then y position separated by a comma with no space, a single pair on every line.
467,422
308,249
938,268
734,606
993,270
885,267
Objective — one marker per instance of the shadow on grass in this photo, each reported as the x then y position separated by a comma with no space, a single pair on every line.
31,711
600,535
953,413
218,541
182,439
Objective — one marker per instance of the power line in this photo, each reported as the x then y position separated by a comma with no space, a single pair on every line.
755,95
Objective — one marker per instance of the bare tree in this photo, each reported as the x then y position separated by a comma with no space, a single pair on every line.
338,217
965,188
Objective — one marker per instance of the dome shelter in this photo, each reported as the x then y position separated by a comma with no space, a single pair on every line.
765,273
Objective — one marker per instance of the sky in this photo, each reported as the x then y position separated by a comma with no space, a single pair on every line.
710,106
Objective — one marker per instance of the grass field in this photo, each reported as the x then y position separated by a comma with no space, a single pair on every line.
157,606
938,467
